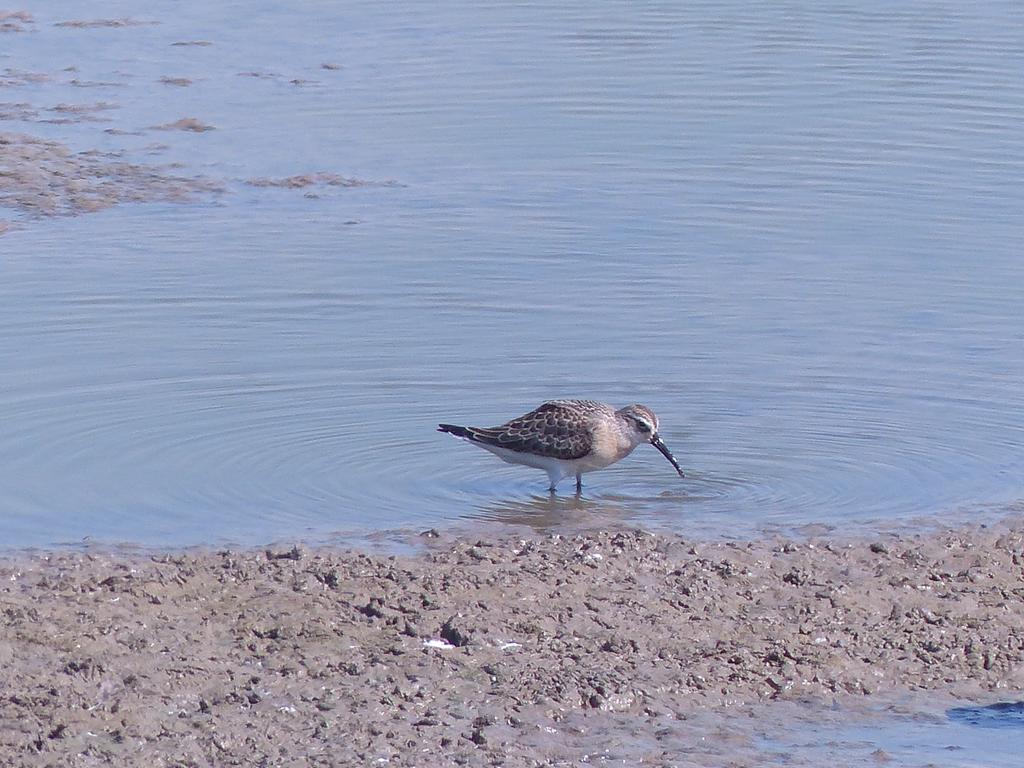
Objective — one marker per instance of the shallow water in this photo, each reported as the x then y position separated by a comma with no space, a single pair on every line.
793,232
919,736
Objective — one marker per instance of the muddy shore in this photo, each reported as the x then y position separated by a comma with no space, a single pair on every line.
506,651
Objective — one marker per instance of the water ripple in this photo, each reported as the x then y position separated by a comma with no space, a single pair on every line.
795,237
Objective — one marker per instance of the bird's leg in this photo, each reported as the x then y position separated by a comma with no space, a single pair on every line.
579,483
554,475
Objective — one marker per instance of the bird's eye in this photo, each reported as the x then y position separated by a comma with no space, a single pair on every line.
642,426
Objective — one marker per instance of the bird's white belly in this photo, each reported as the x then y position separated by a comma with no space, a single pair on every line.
547,463
588,463
592,462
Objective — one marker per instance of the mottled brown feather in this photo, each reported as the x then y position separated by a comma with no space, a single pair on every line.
554,429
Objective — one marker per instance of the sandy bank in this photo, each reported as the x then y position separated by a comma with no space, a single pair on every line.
505,651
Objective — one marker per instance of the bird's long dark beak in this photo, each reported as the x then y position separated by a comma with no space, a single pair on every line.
657,443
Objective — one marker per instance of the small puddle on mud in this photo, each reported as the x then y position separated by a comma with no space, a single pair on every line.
1005,714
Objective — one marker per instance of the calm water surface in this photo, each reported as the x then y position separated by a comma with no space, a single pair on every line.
793,231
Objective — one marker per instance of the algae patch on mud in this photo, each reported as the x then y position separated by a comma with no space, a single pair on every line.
39,177
42,176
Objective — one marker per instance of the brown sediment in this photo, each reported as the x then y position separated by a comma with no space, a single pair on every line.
199,43
17,111
296,81
17,77
321,178
45,178
95,83
185,124
80,113
15,21
94,23
181,82
79,109
504,650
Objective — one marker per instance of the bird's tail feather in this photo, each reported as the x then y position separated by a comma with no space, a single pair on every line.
453,429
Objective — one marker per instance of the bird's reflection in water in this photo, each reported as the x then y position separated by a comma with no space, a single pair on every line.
643,504
547,511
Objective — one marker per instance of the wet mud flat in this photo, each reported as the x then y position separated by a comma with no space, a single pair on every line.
609,646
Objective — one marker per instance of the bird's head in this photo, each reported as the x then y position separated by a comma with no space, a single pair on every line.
642,427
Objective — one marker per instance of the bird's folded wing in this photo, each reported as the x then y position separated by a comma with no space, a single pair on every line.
550,430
